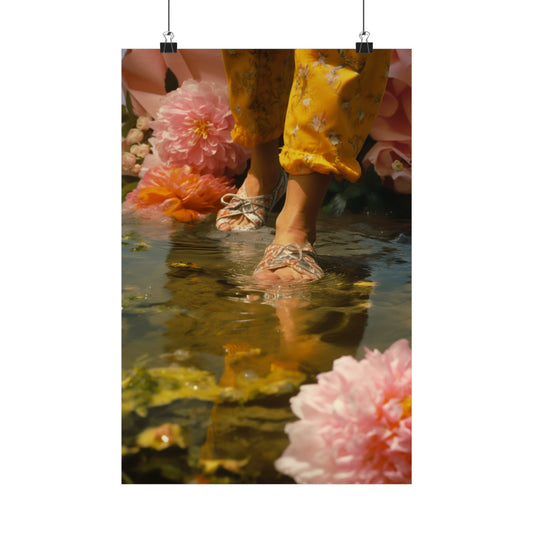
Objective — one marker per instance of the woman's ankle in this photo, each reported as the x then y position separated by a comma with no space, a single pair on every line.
265,169
294,227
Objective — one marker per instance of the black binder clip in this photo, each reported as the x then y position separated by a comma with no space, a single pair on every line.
364,47
168,47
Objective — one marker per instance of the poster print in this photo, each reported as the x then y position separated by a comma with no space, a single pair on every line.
266,266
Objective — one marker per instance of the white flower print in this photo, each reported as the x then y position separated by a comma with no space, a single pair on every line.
334,139
319,122
302,75
308,159
331,76
306,102
321,60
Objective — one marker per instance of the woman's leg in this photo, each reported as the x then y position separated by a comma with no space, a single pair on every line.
263,176
296,222
334,99
259,84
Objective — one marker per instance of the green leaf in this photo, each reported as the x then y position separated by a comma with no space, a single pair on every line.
354,190
356,205
130,123
129,105
375,203
127,185
372,179
336,205
129,179
336,186
171,82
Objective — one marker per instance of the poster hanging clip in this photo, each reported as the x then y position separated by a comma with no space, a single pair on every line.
364,47
168,47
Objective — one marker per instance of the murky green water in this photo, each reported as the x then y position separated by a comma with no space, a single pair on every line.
211,360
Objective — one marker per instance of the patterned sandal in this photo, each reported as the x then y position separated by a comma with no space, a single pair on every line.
253,208
302,259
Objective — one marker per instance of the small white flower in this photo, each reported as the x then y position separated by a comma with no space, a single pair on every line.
306,102
128,161
318,123
321,60
143,123
134,136
303,72
332,75
140,150
333,138
295,131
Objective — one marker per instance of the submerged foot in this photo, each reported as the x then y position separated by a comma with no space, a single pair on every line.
288,263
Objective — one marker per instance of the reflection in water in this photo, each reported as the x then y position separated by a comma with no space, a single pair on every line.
189,301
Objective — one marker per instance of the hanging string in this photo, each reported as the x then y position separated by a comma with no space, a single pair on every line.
364,47
169,16
168,47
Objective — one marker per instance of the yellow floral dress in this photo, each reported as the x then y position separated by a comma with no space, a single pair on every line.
323,102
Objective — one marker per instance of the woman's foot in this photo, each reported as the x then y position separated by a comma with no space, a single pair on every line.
296,224
264,175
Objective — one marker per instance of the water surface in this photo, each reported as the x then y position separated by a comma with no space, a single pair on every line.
210,359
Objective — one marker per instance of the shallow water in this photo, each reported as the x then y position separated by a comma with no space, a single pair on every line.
210,359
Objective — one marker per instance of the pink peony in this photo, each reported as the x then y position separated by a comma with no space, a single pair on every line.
193,127
391,155
393,122
355,424
392,161
170,192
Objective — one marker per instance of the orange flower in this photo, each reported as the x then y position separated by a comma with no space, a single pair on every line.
177,192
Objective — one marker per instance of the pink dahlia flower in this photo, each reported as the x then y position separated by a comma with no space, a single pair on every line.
193,127
355,424
170,192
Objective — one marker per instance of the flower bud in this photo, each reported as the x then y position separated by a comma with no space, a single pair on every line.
143,123
134,136
128,161
140,150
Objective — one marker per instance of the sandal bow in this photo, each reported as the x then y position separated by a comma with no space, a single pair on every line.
302,259
253,208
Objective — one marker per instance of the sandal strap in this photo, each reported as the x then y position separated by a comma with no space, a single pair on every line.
302,259
253,208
